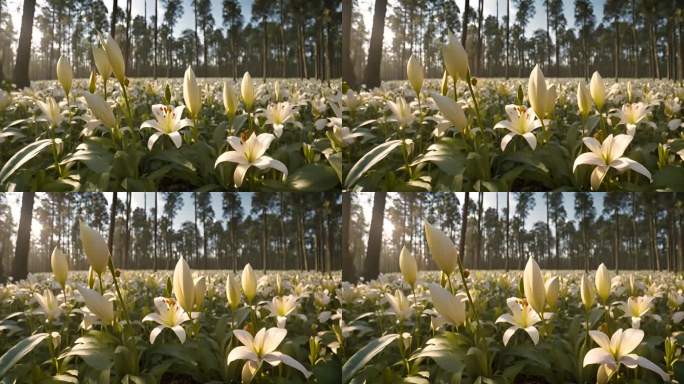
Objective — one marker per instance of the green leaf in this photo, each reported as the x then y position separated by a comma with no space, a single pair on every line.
20,350
669,177
368,160
22,156
365,354
313,178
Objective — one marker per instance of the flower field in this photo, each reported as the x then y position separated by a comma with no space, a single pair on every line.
116,133
184,326
463,133
419,327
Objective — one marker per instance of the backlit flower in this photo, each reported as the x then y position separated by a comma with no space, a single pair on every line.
169,315
167,121
521,122
250,153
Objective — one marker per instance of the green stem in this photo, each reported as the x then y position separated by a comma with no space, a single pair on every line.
118,291
55,156
477,107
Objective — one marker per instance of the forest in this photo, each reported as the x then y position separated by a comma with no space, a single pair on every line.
634,231
633,38
273,231
284,38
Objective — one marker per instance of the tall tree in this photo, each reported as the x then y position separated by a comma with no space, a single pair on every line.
348,74
21,69
21,253
584,19
371,268
372,76
112,26
614,9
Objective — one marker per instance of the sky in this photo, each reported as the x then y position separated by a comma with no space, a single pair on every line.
537,214
186,213
538,21
187,21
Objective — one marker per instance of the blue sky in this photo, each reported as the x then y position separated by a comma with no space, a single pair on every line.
538,21
187,21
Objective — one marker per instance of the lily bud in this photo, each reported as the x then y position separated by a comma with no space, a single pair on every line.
92,83
101,109
583,99
233,291
444,87
455,58
200,291
98,304
587,292
414,72
551,96
276,91
230,99
629,92
102,62
64,74
249,282
116,59
451,110
603,283
191,93
95,248
533,285
408,267
537,92
442,248
183,286
552,286
598,90
60,266
247,90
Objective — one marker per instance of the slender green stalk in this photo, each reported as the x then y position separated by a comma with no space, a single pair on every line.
118,291
472,93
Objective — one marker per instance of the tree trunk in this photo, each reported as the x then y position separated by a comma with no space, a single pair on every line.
112,225
348,269
128,33
21,253
508,227
264,53
127,247
508,52
196,237
478,252
21,69
155,233
156,18
480,10
112,27
617,50
371,268
464,27
372,77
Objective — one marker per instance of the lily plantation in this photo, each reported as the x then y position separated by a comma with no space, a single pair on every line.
430,318
266,311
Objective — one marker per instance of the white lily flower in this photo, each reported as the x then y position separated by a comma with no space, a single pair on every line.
400,305
523,317
277,115
168,121
98,305
169,315
451,307
636,308
401,111
617,350
48,305
632,114
521,122
608,155
250,153
262,347
281,307
51,111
